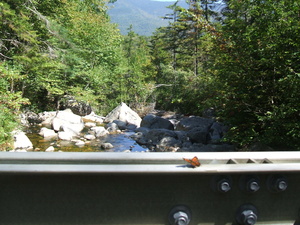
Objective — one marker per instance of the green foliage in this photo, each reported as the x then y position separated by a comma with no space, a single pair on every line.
181,53
258,64
246,67
136,80
245,64
67,47
7,124
10,103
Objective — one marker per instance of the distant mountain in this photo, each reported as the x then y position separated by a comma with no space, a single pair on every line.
144,15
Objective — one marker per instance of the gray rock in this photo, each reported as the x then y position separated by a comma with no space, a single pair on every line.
137,135
154,122
198,135
80,108
216,132
189,123
28,118
155,135
169,141
121,124
112,127
143,130
182,136
131,127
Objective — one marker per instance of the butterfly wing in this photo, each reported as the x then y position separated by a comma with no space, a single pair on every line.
194,161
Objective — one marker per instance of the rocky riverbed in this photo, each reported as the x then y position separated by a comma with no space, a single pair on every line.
121,130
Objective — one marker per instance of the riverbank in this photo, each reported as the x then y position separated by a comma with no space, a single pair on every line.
122,130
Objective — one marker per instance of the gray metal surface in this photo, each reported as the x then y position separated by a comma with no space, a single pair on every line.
142,188
239,162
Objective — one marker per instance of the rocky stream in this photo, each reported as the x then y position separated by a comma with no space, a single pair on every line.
122,130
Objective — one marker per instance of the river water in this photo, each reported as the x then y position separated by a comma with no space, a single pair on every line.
121,142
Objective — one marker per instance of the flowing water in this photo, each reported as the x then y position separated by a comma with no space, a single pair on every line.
121,142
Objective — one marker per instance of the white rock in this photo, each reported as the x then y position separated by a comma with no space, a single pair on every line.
93,118
66,136
90,124
89,137
57,123
47,133
75,129
106,145
99,131
50,149
67,121
69,116
21,141
125,114
80,143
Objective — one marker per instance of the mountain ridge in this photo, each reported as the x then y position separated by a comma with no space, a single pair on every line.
144,15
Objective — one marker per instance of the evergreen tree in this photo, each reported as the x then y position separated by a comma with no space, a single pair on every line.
258,65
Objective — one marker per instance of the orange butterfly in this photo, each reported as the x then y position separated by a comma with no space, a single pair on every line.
194,161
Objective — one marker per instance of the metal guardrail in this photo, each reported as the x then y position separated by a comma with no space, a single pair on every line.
229,162
232,188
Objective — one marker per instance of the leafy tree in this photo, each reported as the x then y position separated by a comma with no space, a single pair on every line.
137,85
10,103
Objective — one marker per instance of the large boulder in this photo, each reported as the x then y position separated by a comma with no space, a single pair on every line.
198,135
67,121
154,136
155,122
197,128
169,144
189,123
74,129
123,113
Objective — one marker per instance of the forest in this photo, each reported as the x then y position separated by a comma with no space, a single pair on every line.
242,61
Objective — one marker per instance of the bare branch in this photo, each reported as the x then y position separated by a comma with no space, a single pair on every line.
163,85
4,56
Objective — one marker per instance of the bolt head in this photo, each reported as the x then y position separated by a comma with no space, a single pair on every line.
281,185
249,217
253,186
224,186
